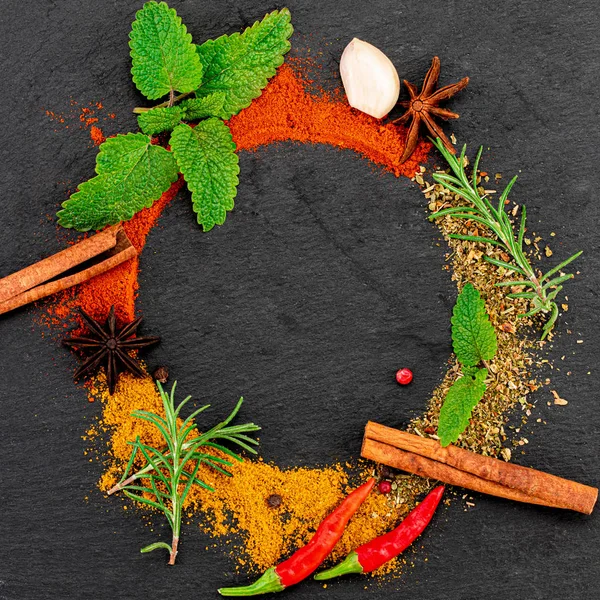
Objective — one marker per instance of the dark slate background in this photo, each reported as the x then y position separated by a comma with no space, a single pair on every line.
325,279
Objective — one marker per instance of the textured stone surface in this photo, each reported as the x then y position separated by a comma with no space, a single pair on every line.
325,279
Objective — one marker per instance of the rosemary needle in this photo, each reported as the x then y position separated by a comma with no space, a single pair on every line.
540,290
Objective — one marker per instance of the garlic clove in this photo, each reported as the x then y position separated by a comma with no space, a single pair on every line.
370,79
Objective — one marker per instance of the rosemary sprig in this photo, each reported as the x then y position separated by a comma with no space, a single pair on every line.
540,290
169,473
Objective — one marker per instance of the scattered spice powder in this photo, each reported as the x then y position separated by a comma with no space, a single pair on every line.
265,534
89,118
87,113
239,504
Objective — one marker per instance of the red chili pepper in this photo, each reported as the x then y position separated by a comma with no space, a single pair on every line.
377,552
304,561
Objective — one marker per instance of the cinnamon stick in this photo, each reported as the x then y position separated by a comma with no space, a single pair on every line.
456,466
94,255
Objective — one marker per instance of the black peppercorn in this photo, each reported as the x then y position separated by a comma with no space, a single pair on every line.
161,374
274,501
386,472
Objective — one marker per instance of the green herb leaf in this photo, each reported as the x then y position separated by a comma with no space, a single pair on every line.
163,55
132,174
241,64
206,157
462,398
160,119
479,209
200,108
473,336
469,371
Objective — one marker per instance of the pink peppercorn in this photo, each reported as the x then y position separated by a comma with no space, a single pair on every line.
385,487
404,376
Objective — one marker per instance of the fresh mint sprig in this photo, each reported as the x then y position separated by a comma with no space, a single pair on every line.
224,75
540,290
474,341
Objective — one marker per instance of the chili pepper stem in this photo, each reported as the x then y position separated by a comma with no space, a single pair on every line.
269,582
349,565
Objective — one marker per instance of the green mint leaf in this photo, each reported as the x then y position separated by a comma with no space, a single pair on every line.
461,399
164,59
132,174
241,64
469,370
473,336
206,157
200,108
159,119
166,118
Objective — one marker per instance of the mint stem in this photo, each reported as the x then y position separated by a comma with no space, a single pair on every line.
142,109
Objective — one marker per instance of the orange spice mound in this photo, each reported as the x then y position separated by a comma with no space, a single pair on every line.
263,535
286,111
258,536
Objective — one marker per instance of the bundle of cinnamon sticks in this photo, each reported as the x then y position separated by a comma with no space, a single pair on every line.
72,266
455,466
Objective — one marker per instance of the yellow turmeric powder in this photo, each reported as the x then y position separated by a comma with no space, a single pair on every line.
262,535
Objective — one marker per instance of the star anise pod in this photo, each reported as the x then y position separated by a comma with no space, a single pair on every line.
423,108
110,346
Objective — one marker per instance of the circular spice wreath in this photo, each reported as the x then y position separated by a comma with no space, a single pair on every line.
286,111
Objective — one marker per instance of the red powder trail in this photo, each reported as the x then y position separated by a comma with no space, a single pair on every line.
285,111
118,286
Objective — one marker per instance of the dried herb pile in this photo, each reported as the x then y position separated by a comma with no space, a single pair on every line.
511,380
